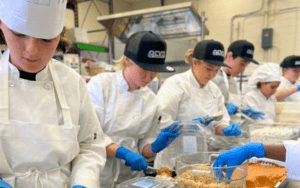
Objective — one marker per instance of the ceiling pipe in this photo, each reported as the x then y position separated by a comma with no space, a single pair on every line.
243,15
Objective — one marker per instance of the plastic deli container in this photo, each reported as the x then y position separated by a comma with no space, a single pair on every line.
146,182
193,139
273,133
195,170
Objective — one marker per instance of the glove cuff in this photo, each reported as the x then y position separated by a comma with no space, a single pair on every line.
154,147
256,150
121,152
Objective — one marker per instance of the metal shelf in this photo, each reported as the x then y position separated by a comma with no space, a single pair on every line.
168,21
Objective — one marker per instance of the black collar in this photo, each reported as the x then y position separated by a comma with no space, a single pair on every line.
27,75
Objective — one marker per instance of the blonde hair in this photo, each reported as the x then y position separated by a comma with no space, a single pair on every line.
121,63
189,57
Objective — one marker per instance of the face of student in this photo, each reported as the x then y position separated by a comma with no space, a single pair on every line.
237,64
269,88
29,54
291,74
204,72
139,77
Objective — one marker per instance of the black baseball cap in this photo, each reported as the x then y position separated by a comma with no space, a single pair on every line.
211,52
243,49
148,51
291,61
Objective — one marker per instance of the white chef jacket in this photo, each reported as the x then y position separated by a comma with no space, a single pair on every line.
231,92
154,85
49,129
130,119
257,101
285,83
292,160
181,98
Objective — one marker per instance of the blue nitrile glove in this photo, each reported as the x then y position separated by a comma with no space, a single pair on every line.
199,120
166,137
253,114
3,184
135,161
76,186
298,87
236,157
232,130
232,109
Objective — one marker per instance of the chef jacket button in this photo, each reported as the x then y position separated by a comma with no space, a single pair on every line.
11,83
48,86
136,117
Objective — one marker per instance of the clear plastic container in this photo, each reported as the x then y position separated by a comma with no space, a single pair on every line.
195,170
193,139
273,133
146,182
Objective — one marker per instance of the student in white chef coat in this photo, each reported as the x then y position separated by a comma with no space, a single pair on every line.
239,55
288,153
192,96
289,86
264,82
49,132
154,85
128,111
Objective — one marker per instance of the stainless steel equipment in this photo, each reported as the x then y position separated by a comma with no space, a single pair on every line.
217,117
170,21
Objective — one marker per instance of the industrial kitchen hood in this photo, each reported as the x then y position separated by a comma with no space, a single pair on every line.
171,21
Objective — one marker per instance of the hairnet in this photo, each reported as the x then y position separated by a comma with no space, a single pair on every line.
268,72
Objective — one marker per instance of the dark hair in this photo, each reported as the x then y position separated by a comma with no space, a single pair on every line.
2,40
258,85
63,44
234,56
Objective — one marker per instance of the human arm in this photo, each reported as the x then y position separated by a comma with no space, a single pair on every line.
169,98
231,130
87,165
164,139
276,152
253,101
236,157
286,92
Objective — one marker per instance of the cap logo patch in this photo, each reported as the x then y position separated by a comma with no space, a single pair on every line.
157,54
169,69
218,53
249,51
297,63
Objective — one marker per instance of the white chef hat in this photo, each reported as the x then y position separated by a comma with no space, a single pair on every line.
268,72
36,18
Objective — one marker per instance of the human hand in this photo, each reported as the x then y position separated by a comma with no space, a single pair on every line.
3,184
135,161
253,114
232,109
298,87
200,120
232,130
236,157
166,137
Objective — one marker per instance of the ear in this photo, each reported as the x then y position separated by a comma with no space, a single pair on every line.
194,62
229,55
127,61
